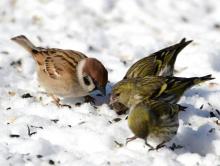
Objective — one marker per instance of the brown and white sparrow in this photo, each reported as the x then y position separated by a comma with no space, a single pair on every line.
66,73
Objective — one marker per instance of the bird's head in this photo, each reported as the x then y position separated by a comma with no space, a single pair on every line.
92,75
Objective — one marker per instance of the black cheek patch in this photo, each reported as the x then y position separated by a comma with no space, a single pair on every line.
86,80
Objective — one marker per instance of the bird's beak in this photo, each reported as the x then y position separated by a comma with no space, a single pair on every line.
102,90
112,100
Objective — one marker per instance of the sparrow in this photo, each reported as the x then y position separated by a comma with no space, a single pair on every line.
169,89
155,119
160,63
65,73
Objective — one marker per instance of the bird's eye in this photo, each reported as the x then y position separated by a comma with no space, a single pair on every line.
117,94
86,80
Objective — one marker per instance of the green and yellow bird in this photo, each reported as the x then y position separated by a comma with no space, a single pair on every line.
160,63
155,119
169,89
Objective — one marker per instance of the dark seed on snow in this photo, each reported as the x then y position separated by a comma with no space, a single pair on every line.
212,115
54,120
39,156
201,107
211,130
51,162
14,135
217,111
116,119
78,104
26,95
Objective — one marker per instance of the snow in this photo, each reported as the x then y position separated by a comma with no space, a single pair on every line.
118,33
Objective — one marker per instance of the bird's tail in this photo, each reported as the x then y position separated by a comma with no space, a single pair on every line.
168,55
182,108
24,42
198,80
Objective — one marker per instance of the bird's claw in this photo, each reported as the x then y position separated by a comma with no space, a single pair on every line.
89,99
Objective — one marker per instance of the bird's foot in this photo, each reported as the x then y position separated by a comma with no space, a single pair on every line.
89,99
56,101
161,145
130,139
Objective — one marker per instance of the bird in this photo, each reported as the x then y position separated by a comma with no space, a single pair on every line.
65,73
169,89
160,63
155,119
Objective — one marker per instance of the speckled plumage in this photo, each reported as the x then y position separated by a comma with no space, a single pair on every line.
156,119
132,91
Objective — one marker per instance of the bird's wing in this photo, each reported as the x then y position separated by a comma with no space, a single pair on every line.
160,63
151,86
60,63
144,67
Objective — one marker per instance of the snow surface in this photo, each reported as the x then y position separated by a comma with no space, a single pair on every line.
118,32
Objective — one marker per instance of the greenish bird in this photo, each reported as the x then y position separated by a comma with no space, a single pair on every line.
160,63
155,119
169,89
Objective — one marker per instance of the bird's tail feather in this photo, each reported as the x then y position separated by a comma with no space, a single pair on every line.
24,42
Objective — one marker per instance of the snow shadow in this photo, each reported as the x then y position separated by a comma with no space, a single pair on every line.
214,60
197,141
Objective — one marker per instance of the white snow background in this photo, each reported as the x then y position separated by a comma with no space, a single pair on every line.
118,33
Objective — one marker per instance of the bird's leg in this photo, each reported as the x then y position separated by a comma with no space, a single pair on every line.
150,146
56,100
161,145
130,139
89,99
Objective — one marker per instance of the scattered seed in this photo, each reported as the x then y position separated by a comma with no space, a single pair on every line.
78,104
39,127
39,38
80,123
184,19
51,162
118,144
92,48
210,104
211,130
9,157
201,107
69,126
217,111
124,62
29,132
39,156
26,95
117,119
8,108
54,120
212,115
14,135
217,26
174,146
17,63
